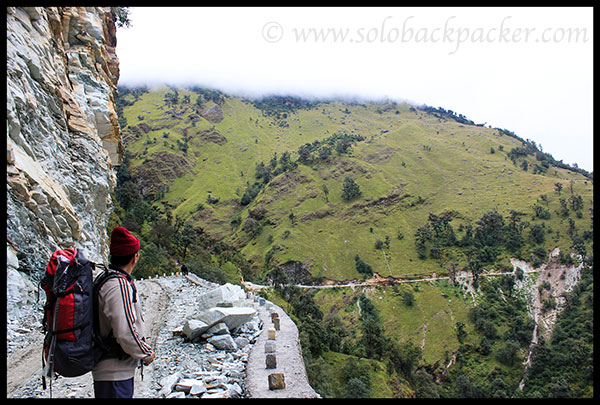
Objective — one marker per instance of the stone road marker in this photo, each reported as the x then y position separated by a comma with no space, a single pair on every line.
276,381
271,361
270,347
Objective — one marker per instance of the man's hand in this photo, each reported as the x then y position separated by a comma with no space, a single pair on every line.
150,359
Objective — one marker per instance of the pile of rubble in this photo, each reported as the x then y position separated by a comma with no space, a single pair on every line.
213,344
205,336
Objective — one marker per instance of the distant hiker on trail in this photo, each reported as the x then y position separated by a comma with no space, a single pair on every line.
121,320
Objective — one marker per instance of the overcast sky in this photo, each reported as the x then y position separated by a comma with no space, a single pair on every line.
528,70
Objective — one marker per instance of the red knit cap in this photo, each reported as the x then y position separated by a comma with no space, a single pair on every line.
122,242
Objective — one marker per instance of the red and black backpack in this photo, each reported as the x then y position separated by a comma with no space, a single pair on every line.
71,345
68,314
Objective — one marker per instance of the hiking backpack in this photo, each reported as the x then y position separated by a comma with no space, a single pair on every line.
72,346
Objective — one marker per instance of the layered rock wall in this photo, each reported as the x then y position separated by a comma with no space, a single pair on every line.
63,138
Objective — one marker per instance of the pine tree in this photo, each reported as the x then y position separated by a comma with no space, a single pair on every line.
350,190
362,267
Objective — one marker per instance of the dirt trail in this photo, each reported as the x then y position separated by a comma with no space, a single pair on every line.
24,364
380,280
24,367
155,305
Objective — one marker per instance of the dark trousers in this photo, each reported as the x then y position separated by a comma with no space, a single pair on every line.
114,389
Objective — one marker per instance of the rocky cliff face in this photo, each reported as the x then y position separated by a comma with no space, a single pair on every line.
63,137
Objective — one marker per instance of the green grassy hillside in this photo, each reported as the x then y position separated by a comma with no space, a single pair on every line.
322,191
411,163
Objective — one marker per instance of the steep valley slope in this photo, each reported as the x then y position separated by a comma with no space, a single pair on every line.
410,162
440,201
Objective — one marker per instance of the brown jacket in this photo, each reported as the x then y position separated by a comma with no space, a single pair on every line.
118,312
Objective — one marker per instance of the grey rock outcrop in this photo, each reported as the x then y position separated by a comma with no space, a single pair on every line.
63,137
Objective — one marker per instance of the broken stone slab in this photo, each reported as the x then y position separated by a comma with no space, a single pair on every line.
276,381
232,317
216,395
223,342
235,316
234,389
186,384
215,380
249,327
167,383
198,389
210,317
194,328
219,329
224,293
241,342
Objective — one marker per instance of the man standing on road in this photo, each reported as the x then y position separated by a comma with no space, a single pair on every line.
121,322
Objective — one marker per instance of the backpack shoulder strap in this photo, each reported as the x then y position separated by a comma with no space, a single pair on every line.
108,346
101,279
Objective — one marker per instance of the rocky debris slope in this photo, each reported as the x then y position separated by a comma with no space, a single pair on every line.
559,280
22,315
203,334
198,359
63,136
